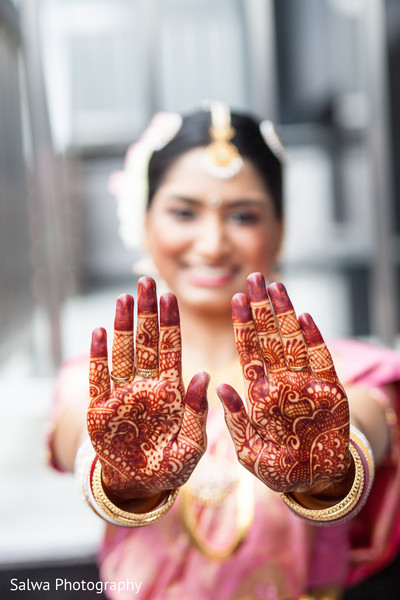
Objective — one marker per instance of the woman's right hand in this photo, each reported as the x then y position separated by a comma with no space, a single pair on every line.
147,432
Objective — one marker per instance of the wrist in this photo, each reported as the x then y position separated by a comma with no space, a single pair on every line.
125,501
327,494
118,516
349,506
136,512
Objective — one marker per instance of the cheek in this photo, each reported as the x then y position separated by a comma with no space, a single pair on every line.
165,241
257,249
164,248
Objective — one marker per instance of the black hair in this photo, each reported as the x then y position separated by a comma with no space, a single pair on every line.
194,132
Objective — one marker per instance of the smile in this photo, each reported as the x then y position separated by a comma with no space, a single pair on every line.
204,275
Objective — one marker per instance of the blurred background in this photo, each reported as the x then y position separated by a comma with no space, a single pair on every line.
79,80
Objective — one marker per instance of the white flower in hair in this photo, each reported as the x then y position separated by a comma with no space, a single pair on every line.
130,186
272,140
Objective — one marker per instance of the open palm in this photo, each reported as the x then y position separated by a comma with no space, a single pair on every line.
147,432
294,435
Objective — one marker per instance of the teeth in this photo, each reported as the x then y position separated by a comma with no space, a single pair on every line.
204,271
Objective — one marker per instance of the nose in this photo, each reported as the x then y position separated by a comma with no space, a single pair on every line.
212,240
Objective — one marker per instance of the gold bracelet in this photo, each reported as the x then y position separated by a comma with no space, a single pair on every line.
338,511
124,517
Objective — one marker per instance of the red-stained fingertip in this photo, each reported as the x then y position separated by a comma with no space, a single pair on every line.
124,313
311,332
146,280
241,311
98,348
196,395
229,398
147,295
169,311
256,286
279,297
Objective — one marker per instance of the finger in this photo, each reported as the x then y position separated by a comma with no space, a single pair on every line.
99,378
147,325
196,395
231,401
320,357
122,351
247,344
265,323
238,424
293,341
193,430
170,337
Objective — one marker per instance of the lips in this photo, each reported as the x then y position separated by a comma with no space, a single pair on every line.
210,276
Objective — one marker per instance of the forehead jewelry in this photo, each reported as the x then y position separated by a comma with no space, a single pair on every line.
222,157
214,202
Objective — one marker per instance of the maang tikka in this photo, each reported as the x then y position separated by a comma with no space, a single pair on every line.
222,157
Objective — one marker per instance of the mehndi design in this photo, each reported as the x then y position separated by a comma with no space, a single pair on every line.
295,433
148,433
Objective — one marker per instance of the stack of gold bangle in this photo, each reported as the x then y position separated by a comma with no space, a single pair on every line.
350,505
122,517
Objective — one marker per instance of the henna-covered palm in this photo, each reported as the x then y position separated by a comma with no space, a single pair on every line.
294,435
148,434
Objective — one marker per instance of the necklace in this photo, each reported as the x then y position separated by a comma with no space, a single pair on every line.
220,491
193,506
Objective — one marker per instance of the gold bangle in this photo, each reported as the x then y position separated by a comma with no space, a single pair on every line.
339,510
124,517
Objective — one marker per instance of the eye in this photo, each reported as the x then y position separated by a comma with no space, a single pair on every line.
182,213
245,217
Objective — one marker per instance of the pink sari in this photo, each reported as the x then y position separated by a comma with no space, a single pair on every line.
281,557
375,533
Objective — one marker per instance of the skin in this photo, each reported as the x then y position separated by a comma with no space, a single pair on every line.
294,434
148,433
205,250
189,237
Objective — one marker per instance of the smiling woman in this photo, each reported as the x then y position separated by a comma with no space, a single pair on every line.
206,234
161,466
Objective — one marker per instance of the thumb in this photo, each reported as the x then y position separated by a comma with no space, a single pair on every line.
231,401
235,417
193,430
196,395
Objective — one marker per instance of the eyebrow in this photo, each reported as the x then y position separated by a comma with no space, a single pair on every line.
229,204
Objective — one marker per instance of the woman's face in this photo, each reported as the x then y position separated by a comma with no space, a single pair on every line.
206,235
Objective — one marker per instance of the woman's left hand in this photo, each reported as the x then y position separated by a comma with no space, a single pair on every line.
294,435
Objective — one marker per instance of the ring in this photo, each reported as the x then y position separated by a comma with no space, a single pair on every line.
121,379
148,373
301,368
